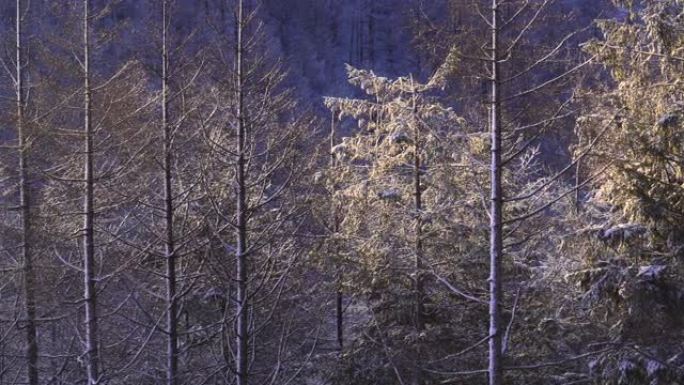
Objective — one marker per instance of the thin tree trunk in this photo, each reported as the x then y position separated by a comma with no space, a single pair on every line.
578,187
418,195
339,311
242,337
90,293
171,300
418,272
495,228
25,204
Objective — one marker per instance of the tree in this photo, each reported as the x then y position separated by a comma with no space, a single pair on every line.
525,86
170,241
82,200
631,255
333,247
396,167
89,288
252,175
242,337
166,186
643,176
25,203
496,207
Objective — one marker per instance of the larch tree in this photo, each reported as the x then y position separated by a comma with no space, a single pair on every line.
25,184
252,176
89,280
513,81
170,240
20,242
163,219
170,228
517,82
82,196
241,224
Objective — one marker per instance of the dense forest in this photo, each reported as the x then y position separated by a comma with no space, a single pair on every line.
337,192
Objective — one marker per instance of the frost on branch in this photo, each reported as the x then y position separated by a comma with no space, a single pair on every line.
621,233
390,194
439,79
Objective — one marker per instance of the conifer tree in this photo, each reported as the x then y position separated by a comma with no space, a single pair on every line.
631,257
82,197
25,204
392,167
517,83
252,178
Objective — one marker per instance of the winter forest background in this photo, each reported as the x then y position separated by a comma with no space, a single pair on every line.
329,192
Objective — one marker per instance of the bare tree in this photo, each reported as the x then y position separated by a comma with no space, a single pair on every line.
242,315
514,128
171,300
25,203
496,206
89,289
253,183
525,75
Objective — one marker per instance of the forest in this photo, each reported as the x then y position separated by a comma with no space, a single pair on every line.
342,192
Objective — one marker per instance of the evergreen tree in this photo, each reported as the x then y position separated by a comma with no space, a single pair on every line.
631,268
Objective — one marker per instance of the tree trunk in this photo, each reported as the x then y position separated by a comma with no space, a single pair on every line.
578,186
242,337
339,313
418,272
495,227
339,310
170,251
25,204
90,292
